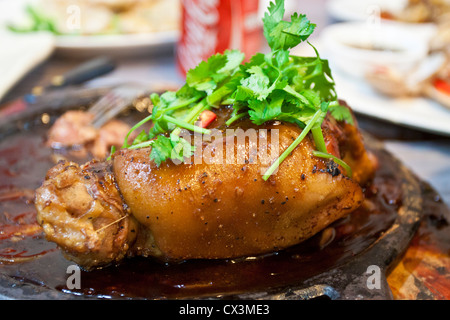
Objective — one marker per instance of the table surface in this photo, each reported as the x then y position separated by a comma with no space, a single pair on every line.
427,155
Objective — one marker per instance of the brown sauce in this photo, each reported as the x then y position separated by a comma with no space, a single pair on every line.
28,257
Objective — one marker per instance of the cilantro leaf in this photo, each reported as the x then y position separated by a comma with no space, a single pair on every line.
341,113
161,149
207,75
202,77
285,34
234,59
181,148
174,147
142,137
264,111
277,107
257,85
271,20
281,58
317,76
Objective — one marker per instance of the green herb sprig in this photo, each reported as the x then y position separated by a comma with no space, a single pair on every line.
272,86
39,21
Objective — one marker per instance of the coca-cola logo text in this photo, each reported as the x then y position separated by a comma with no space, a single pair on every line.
200,32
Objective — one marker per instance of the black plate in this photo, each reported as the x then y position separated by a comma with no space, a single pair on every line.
351,278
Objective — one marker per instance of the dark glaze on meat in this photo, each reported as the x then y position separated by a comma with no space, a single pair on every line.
228,210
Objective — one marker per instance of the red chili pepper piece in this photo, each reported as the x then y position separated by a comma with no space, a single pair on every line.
206,118
442,86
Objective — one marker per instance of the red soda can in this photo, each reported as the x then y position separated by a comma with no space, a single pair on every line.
212,26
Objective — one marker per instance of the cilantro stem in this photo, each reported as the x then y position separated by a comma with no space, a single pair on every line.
340,162
317,133
235,118
218,94
193,114
142,145
140,123
186,125
299,96
319,113
182,104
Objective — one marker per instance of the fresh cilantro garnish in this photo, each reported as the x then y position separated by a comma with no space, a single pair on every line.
174,148
208,74
284,35
272,86
341,113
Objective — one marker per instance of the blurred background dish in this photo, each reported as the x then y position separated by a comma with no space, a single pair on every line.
390,59
97,17
358,48
401,11
98,26
417,112
350,10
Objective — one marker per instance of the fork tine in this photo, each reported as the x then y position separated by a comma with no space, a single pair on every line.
113,103
110,113
103,106
100,104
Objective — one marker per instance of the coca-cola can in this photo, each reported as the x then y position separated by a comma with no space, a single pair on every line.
212,26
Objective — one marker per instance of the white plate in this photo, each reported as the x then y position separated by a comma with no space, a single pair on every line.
133,44
350,43
361,10
122,44
420,113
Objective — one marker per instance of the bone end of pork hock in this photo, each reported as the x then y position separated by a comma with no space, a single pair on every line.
81,210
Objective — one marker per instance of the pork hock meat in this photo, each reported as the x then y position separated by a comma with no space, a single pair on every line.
101,212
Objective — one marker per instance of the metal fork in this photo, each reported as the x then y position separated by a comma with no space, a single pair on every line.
113,102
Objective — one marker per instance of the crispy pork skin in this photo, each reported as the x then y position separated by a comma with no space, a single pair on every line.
346,142
227,210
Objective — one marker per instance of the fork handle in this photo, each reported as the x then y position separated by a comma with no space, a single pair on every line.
85,72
